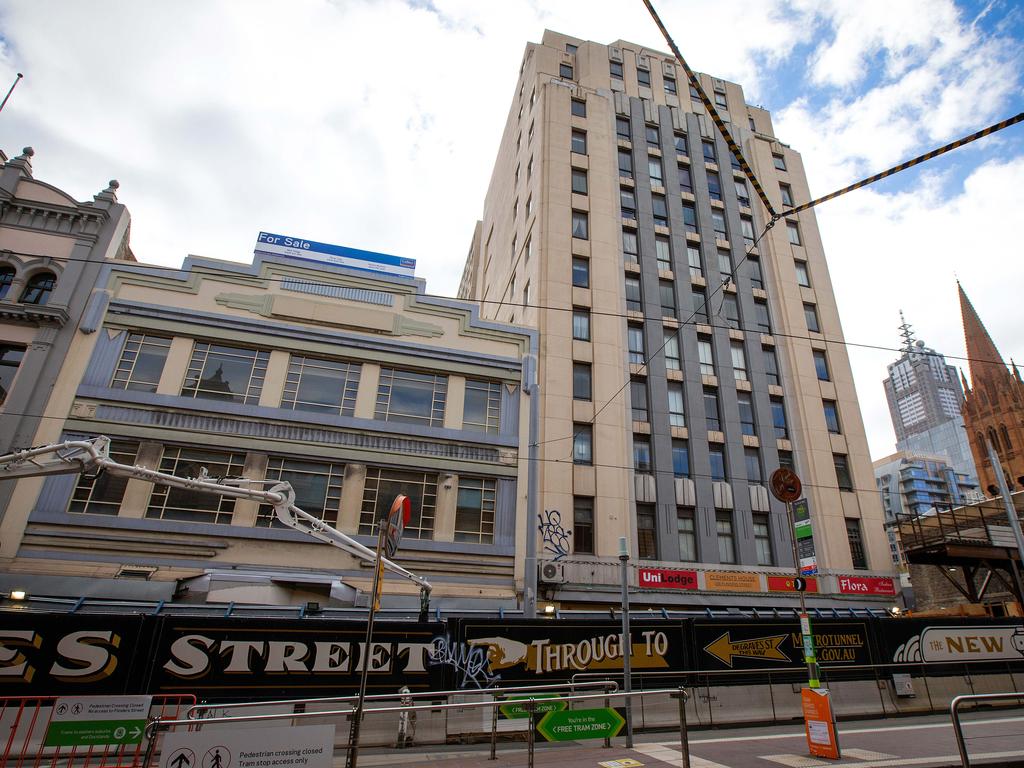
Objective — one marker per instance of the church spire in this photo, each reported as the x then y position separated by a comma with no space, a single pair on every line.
983,357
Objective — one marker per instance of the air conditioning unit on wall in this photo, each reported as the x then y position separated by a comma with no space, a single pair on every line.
552,573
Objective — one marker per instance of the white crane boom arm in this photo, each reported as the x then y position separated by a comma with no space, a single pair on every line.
93,455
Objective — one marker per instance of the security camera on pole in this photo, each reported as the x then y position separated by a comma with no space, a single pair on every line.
819,719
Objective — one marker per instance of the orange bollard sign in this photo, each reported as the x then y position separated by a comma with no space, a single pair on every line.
820,723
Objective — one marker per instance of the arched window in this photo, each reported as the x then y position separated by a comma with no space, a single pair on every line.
993,439
6,278
1006,437
39,288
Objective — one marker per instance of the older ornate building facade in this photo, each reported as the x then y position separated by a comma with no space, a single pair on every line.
353,385
994,406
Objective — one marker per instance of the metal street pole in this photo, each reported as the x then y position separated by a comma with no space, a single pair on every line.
531,387
805,620
13,86
1011,512
357,716
627,640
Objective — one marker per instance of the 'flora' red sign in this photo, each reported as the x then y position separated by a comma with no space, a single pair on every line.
866,585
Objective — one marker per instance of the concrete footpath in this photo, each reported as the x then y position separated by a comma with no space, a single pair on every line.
993,738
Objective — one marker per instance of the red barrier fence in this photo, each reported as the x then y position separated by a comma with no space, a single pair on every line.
25,720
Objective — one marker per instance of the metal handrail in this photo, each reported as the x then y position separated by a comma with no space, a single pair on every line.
190,713
954,713
158,723
756,670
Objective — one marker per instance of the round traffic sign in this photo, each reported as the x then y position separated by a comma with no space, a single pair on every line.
398,517
785,485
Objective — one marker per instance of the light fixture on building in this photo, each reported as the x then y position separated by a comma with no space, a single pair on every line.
17,594
313,607
141,572
549,609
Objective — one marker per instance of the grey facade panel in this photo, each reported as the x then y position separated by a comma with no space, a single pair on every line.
505,514
105,357
693,388
94,312
338,292
198,422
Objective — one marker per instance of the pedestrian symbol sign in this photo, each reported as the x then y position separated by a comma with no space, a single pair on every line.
96,721
301,746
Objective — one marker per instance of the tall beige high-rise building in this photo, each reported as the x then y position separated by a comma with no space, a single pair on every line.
676,370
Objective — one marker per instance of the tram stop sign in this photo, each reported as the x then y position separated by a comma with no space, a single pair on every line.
785,485
398,518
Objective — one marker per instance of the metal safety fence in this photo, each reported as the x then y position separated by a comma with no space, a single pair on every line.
979,698
772,694
534,701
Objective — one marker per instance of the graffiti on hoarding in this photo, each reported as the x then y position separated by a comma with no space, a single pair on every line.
601,652
529,650
468,662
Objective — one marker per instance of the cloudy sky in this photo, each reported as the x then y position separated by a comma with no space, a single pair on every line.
375,123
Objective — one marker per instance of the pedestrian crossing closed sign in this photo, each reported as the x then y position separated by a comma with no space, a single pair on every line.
97,721
224,746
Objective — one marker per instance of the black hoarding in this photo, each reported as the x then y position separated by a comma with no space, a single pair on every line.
252,658
503,653
953,641
43,654
744,645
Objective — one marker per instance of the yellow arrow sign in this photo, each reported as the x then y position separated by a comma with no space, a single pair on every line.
724,648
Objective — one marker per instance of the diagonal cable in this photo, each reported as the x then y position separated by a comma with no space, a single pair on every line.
710,107
911,163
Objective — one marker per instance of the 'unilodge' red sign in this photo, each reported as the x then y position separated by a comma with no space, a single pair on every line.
664,578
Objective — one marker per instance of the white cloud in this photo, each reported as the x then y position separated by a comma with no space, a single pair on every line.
375,124
906,251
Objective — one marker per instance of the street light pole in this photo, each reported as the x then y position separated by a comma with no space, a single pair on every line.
627,640
1011,512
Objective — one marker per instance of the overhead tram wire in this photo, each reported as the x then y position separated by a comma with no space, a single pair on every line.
910,163
747,171
734,147
719,122
357,449
707,310
545,307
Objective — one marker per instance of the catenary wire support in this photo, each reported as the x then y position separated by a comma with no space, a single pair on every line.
710,107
